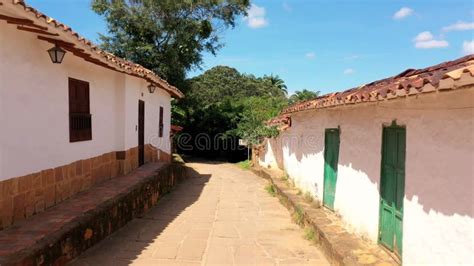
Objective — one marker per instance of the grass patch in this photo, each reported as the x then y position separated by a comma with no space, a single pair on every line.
298,216
244,164
309,234
308,197
271,190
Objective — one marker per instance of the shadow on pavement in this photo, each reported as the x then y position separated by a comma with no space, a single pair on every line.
134,239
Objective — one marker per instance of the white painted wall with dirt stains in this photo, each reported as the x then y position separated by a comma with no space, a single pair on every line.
438,206
34,108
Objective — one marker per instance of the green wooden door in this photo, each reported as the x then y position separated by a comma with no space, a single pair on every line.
392,188
331,156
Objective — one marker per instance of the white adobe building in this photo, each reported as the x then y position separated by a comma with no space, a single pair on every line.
395,158
70,122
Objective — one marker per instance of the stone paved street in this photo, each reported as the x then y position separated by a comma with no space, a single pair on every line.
222,215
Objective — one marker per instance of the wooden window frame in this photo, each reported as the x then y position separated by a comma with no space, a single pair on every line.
80,121
160,122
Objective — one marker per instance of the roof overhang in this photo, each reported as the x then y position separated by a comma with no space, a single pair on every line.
47,29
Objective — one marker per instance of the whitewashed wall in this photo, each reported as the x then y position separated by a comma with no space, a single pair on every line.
34,123
438,206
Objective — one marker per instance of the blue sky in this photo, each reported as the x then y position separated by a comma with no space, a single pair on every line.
321,44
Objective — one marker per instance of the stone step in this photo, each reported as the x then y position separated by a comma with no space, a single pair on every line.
64,231
340,246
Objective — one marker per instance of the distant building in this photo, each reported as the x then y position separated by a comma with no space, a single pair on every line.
70,122
395,158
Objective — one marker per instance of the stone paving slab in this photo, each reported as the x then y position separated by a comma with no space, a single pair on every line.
220,216
62,232
339,246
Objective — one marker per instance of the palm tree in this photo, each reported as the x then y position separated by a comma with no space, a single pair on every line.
276,81
304,95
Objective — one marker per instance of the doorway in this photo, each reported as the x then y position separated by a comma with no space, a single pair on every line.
392,188
331,158
141,132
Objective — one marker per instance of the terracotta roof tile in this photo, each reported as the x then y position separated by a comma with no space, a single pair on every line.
409,82
118,63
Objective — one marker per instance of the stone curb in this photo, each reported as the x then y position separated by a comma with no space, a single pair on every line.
339,246
134,194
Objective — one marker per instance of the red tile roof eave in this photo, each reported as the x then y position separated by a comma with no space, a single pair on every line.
380,90
120,64
360,104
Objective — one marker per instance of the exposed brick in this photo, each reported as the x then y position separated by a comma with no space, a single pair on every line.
59,174
87,182
96,162
76,185
86,166
49,196
25,183
95,175
71,170
39,206
79,167
48,177
36,181
39,200
19,207
6,211
59,192
8,187
29,203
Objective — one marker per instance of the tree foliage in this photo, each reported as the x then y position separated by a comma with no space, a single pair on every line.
167,36
224,102
303,95
276,81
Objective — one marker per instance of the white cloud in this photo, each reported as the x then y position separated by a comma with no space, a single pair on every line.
402,13
459,26
310,55
256,17
349,71
468,47
423,37
425,40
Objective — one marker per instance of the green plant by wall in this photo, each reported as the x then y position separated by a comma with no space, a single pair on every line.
271,190
308,197
244,164
298,216
309,234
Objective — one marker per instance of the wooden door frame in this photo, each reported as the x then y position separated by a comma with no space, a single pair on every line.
141,134
326,131
392,253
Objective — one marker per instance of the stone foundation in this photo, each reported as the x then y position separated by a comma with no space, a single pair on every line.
25,196
63,232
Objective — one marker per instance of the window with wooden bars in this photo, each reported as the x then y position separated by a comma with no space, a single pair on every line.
160,125
80,119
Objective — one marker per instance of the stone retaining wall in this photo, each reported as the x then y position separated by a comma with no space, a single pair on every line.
25,196
126,199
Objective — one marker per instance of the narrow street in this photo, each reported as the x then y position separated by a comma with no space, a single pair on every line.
222,215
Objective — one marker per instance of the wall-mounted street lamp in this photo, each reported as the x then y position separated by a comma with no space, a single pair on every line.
56,54
151,88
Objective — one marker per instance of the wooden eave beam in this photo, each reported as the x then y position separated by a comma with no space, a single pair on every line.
23,28
21,21
55,41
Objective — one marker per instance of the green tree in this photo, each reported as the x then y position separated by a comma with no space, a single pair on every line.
167,36
256,111
303,95
224,102
276,81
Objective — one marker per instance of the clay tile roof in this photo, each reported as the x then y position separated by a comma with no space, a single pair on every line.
85,48
409,82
